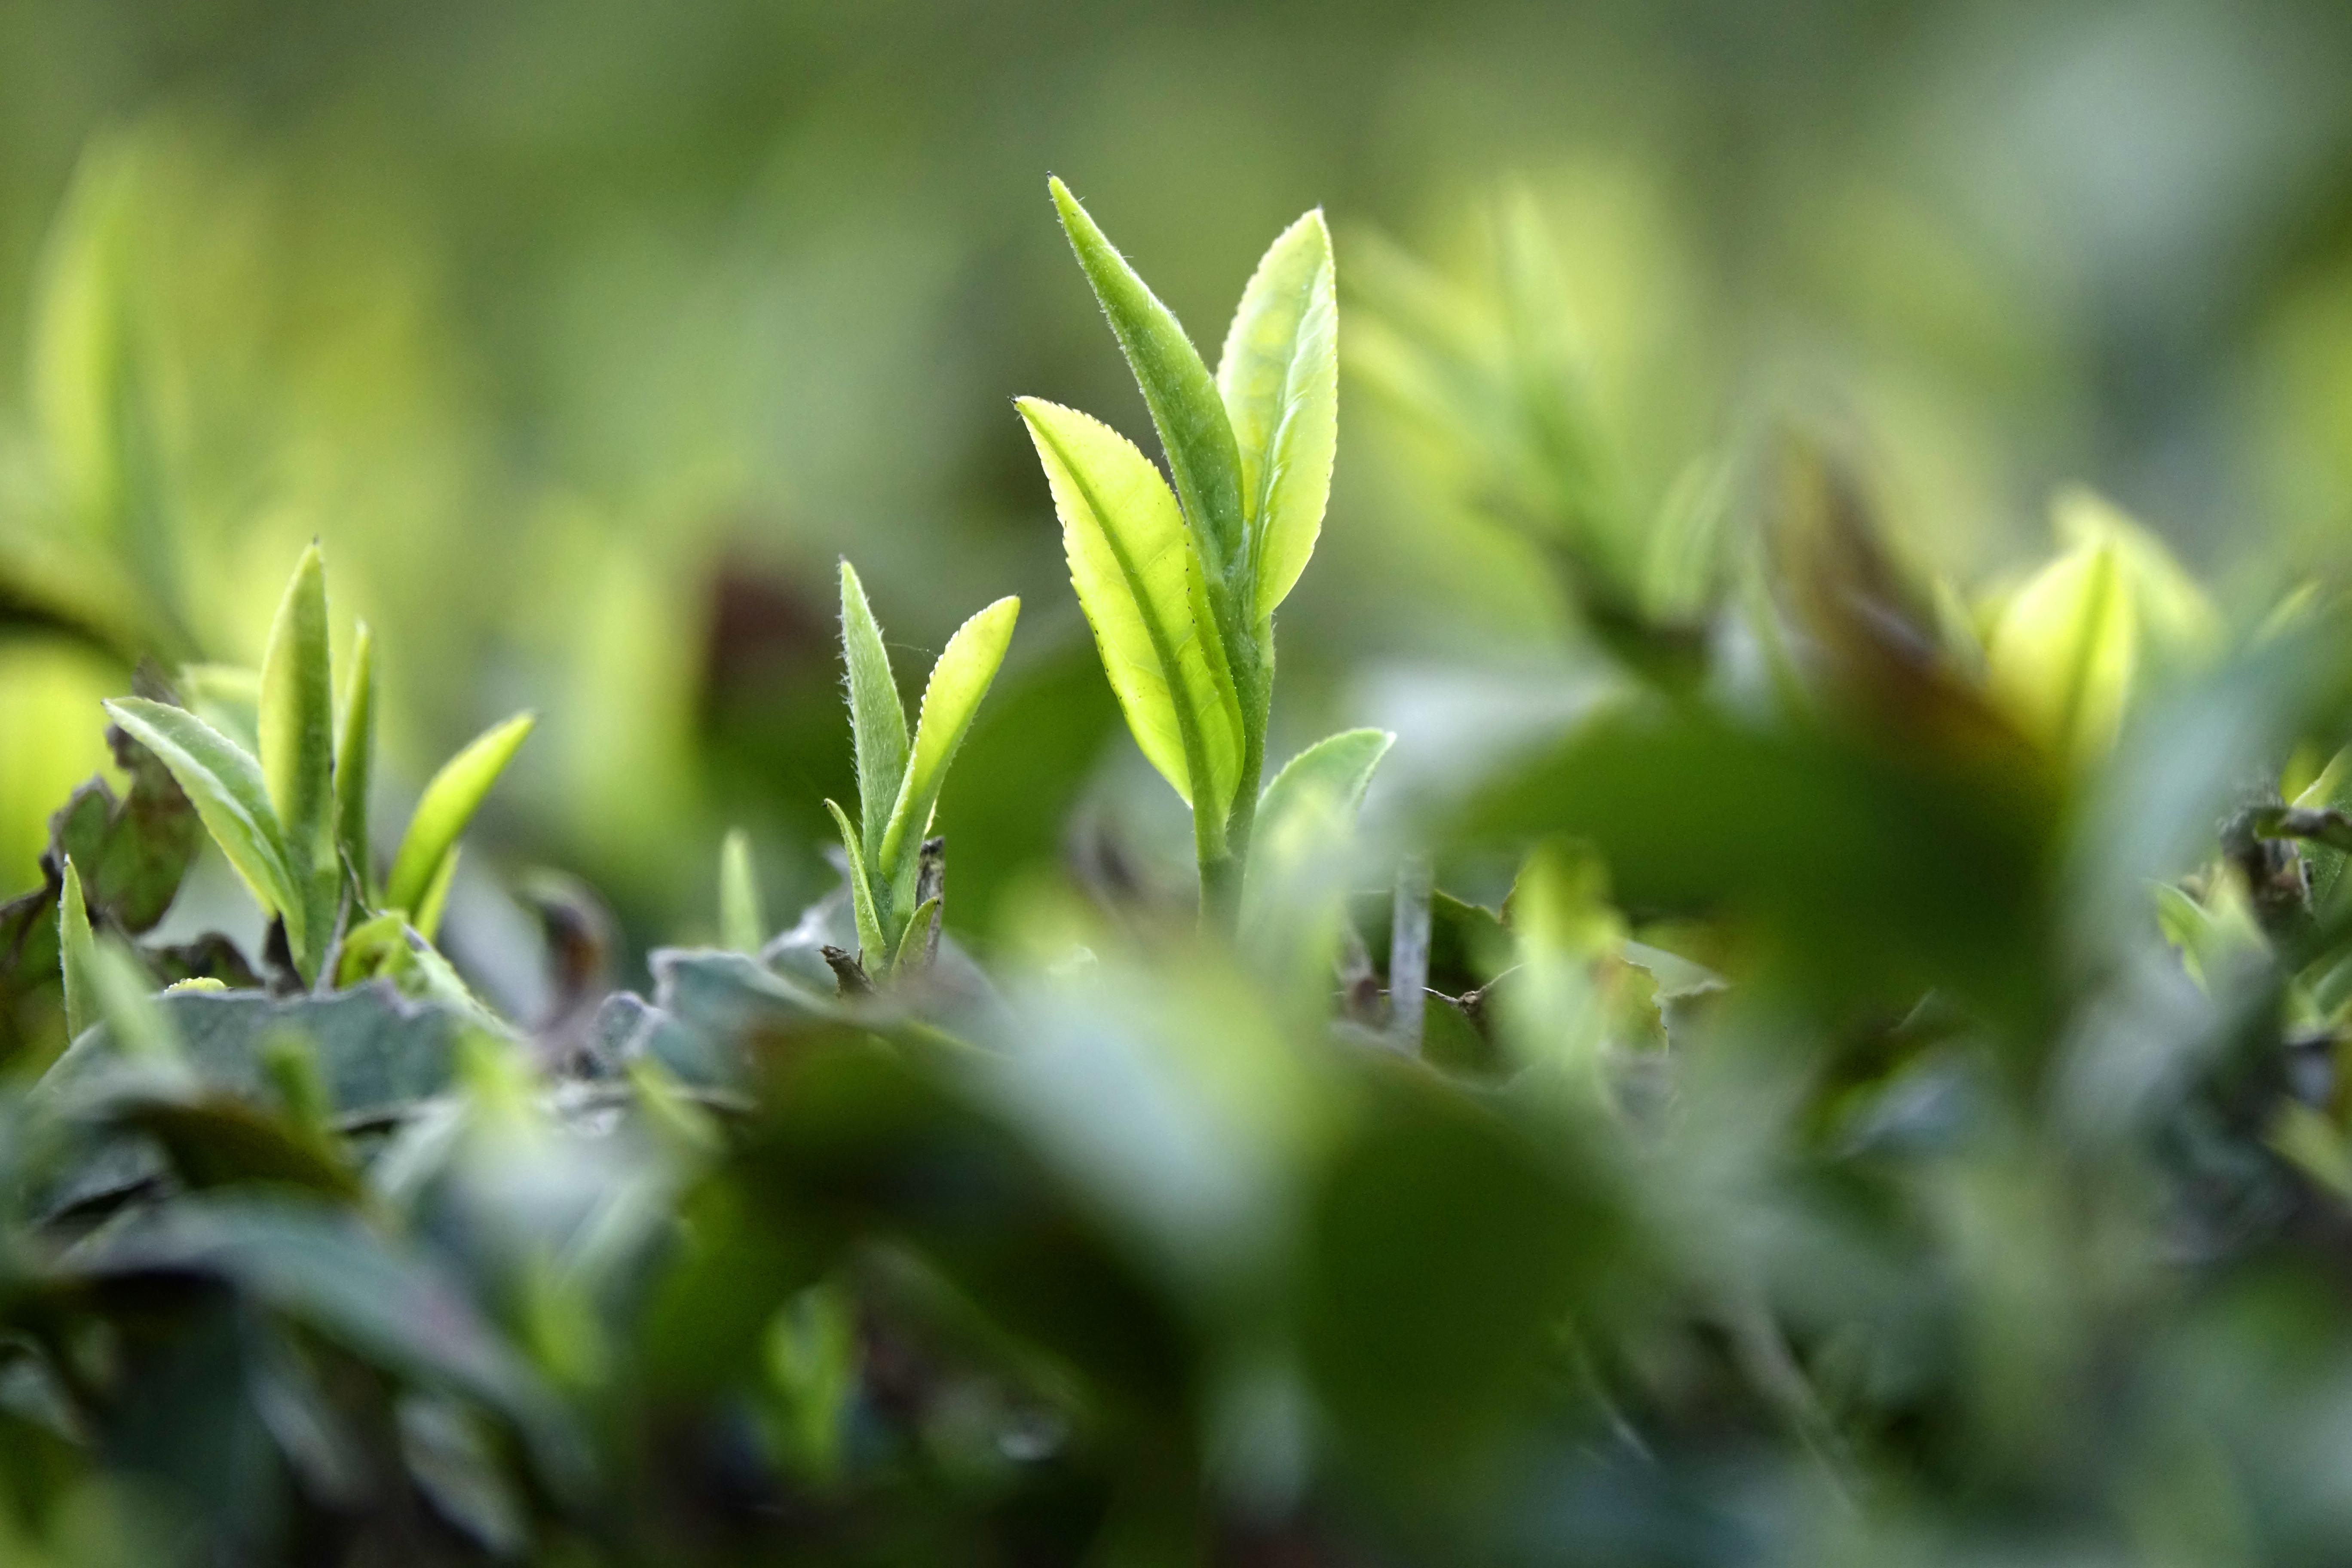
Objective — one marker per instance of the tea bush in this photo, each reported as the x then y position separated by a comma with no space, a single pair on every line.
1888,1110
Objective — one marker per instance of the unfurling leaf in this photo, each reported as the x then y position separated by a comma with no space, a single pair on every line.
1140,581
1279,378
877,721
742,928
952,696
225,786
449,804
1185,407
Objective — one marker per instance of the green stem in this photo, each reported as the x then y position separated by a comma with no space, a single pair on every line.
1222,875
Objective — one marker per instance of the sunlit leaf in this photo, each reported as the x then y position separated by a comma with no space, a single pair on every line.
1193,429
1279,377
1140,583
225,786
447,804
877,721
959,681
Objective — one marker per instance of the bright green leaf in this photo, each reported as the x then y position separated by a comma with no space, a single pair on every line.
449,804
951,699
1279,377
1183,400
1139,580
295,728
877,721
225,786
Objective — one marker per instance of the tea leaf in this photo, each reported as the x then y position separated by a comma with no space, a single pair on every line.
742,925
78,956
297,718
959,681
1279,378
915,943
449,804
436,899
355,764
225,786
861,891
295,728
1324,782
1139,580
877,721
1185,407
2062,655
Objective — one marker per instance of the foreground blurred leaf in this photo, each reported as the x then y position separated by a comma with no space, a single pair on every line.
1881,875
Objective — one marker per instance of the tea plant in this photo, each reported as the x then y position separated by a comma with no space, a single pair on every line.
895,868
1181,588
1892,1111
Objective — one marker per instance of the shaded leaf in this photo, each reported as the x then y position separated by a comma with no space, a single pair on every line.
861,890
78,954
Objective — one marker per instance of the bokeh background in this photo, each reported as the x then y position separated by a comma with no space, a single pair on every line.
588,335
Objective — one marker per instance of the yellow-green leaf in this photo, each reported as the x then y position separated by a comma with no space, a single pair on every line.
952,696
1279,378
878,721
2177,622
225,786
2062,658
1139,580
447,804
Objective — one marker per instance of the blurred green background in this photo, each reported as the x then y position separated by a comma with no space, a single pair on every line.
588,335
